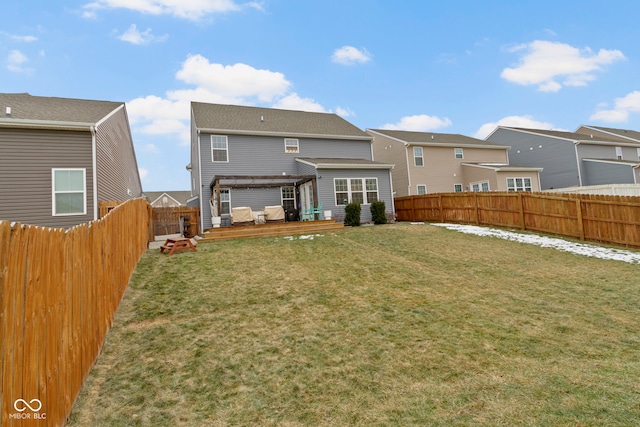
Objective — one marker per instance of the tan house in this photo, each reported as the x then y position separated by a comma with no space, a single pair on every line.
427,162
167,199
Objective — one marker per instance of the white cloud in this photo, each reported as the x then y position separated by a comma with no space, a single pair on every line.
187,9
25,39
295,102
143,173
419,123
349,55
233,81
16,60
134,36
344,112
620,112
511,121
543,63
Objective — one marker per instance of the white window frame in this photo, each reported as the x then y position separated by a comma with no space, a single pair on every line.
514,186
418,187
283,199
638,151
226,149
458,153
477,186
291,145
458,188
619,153
54,192
226,191
365,191
416,157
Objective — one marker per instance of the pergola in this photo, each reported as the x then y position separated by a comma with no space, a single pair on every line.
261,181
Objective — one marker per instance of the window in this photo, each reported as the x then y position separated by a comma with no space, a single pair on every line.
480,186
418,160
619,153
638,151
225,201
288,197
355,190
69,191
457,188
422,189
291,145
518,184
457,152
219,148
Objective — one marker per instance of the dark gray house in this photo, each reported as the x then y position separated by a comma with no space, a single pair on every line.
60,157
257,157
569,159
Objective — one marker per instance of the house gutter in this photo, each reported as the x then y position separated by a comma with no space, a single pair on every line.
575,145
283,134
94,166
200,186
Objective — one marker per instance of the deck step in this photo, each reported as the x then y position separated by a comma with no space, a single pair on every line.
270,230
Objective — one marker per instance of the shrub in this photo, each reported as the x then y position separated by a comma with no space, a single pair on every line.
378,214
352,214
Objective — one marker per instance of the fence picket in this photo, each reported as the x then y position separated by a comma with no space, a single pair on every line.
59,290
606,219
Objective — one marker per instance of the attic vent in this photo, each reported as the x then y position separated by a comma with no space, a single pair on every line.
591,136
432,137
262,118
8,111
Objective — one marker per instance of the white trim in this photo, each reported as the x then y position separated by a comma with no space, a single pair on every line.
455,153
167,195
479,183
365,199
418,189
421,157
94,165
283,134
371,165
575,145
461,188
226,138
515,187
297,146
53,191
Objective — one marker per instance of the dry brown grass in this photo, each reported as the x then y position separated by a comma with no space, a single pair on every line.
386,325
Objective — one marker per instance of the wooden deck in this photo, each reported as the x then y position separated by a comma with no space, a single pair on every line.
270,230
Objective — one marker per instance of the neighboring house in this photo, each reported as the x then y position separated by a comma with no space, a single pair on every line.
587,157
256,157
59,157
167,199
427,162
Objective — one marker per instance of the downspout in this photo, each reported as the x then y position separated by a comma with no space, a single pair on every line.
406,155
575,144
393,202
94,160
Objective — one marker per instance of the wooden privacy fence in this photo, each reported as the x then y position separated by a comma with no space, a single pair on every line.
167,220
607,219
59,290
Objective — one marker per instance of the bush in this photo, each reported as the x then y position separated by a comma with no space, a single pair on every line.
378,214
352,214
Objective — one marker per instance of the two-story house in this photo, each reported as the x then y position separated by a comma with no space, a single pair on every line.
256,157
427,162
589,156
60,157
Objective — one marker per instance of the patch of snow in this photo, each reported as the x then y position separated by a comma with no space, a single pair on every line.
549,242
303,237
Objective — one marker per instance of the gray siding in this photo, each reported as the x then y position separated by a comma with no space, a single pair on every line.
26,160
557,157
118,177
326,190
597,173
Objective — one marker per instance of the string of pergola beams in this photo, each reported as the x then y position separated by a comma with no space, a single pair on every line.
268,181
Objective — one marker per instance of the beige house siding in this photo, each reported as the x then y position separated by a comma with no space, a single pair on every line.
504,175
391,151
441,170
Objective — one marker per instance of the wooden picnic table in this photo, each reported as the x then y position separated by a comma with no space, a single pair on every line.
177,244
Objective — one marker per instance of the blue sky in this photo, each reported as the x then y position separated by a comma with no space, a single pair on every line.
451,67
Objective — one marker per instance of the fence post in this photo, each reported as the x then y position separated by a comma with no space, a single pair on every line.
413,208
475,198
440,210
521,207
579,217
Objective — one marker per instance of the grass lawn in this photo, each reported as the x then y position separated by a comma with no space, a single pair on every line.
390,325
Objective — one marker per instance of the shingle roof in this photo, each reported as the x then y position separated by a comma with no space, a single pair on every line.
342,162
566,135
49,109
621,132
180,196
256,120
434,138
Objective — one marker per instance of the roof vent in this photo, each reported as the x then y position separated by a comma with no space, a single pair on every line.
591,136
432,137
262,118
8,111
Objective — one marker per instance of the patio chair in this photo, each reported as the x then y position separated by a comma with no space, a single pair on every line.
317,211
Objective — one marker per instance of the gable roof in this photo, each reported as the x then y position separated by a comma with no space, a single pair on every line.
179,196
437,139
335,163
28,110
270,121
569,136
623,133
